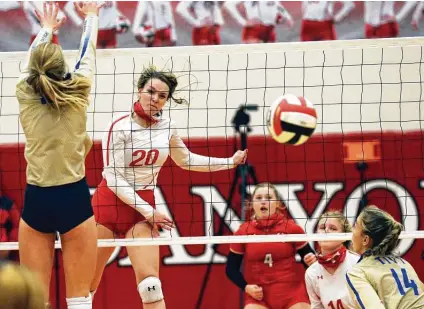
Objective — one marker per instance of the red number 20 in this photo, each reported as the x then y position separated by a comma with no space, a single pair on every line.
143,157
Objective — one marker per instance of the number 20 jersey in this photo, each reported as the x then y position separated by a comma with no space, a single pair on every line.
133,156
385,282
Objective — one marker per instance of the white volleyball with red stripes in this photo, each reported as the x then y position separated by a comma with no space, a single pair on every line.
291,119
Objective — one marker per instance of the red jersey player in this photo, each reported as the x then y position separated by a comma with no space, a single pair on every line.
154,24
325,279
381,20
206,19
274,280
135,148
319,19
9,223
261,19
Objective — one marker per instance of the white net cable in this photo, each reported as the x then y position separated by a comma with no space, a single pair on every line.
203,240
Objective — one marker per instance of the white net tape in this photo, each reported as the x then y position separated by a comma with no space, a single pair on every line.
202,240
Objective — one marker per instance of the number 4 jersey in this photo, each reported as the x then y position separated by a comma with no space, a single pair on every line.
133,156
271,263
385,282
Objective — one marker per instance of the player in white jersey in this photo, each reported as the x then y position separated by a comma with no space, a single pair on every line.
135,148
261,19
416,16
206,19
111,23
29,8
319,19
325,279
380,18
381,280
154,24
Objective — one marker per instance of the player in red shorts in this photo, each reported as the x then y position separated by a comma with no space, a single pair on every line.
154,24
261,19
274,280
29,8
381,21
206,19
135,148
111,23
319,19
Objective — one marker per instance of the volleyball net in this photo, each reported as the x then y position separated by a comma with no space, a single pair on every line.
367,147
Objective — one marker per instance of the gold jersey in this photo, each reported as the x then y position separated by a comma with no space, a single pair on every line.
56,141
385,282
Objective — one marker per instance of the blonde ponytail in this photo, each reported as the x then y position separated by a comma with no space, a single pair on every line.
50,81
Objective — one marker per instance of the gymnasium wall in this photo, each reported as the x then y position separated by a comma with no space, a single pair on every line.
367,92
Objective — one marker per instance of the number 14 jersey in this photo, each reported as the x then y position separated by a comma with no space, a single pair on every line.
385,282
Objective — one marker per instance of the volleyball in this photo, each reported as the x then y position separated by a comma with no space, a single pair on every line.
291,119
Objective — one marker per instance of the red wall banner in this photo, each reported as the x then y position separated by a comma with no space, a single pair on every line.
312,178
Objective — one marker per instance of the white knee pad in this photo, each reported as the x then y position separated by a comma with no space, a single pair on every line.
80,302
150,290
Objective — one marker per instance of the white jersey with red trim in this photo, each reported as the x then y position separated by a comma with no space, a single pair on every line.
380,12
155,14
265,12
324,10
329,291
108,15
201,13
133,157
29,7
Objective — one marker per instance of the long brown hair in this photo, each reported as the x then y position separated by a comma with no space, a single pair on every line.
169,78
49,79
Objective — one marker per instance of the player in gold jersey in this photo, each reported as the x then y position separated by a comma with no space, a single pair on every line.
380,279
53,105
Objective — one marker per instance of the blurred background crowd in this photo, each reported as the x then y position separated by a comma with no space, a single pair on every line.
130,24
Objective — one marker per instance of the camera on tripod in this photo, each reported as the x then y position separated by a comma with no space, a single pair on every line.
242,119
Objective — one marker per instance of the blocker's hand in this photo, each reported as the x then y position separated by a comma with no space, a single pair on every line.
48,18
239,157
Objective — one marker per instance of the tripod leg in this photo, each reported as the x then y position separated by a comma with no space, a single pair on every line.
220,232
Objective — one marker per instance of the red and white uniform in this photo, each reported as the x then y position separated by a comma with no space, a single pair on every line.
111,20
206,19
155,18
319,19
273,266
381,20
261,18
329,291
418,13
29,7
133,157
